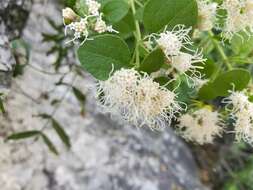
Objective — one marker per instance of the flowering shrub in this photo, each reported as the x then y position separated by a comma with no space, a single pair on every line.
161,63
165,63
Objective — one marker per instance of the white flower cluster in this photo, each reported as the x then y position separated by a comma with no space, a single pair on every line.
242,113
207,14
93,7
239,17
138,99
201,127
82,26
80,29
174,43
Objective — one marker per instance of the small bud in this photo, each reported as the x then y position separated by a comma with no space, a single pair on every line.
68,15
100,26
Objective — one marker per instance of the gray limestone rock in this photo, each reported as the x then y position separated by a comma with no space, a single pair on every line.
13,16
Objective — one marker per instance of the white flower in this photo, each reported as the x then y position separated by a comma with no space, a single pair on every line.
79,28
155,104
91,22
93,7
248,11
238,100
185,63
68,15
202,126
249,7
171,42
118,91
242,113
101,27
243,126
207,14
138,99
238,17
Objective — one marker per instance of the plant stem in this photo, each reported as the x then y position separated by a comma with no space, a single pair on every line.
139,3
221,51
137,34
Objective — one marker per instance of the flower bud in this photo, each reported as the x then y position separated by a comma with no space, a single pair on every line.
100,26
68,15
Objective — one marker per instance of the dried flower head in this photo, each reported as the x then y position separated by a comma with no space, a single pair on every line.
138,99
201,127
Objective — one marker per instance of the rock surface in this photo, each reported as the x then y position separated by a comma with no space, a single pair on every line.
13,16
104,154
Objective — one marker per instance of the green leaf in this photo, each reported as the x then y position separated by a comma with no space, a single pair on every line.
162,80
207,92
70,3
182,89
236,79
231,186
242,44
241,60
2,106
209,68
44,116
19,70
125,26
79,95
62,134
104,53
21,51
23,135
206,44
153,62
22,47
159,13
49,144
115,10
139,14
